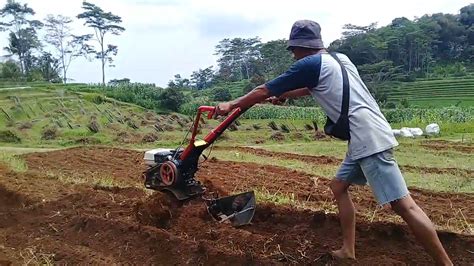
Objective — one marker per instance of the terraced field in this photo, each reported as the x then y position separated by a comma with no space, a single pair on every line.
435,92
55,116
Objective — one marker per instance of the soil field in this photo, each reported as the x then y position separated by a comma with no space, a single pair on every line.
336,161
442,145
58,212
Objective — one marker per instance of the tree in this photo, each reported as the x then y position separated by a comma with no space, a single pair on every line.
172,98
362,44
47,66
275,58
401,51
451,36
22,37
354,30
102,22
116,82
23,44
238,58
203,78
414,48
67,46
178,82
255,81
466,17
10,70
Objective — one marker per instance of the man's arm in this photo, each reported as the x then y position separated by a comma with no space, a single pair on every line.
257,95
302,74
289,95
295,94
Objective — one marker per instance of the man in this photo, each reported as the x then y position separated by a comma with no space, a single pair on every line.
369,157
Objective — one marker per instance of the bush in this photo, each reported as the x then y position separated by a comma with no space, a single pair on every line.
25,125
447,114
145,95
10,70
409,77
255,81
150,137
404,103
94,98
285,128
221,94
9,137
272,125
93,126
172,99
190,108
98,99
49,133
456,70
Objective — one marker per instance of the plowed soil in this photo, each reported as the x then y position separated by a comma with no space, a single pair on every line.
451,145
44,218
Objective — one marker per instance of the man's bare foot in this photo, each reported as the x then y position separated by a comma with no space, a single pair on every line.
342,254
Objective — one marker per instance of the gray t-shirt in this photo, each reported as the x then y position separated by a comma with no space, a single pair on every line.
369,130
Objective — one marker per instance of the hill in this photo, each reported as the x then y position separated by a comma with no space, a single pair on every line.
54,115
434,93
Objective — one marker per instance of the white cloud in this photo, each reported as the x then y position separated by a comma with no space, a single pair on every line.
166,37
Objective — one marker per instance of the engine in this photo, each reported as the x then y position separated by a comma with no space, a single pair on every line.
167,172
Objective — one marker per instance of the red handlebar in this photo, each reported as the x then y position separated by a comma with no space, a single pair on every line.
211,137
210,109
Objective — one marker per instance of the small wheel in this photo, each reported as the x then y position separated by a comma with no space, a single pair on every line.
168,173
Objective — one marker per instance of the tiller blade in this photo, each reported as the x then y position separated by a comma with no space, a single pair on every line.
238,209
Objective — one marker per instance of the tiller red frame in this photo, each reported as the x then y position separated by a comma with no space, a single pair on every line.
173,170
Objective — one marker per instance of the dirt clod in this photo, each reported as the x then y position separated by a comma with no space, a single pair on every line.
157,210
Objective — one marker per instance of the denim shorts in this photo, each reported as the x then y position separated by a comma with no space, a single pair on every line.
380,170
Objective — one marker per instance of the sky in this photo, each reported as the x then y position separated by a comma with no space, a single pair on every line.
168,37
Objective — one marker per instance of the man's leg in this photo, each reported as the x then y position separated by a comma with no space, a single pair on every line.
347,217
388,185
422,228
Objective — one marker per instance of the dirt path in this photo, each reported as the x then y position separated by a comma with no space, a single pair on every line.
80,223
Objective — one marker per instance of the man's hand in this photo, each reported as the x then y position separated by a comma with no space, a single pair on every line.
224,108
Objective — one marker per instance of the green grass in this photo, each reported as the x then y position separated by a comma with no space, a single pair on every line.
24,150
263,195
107,182
440,182
238,156
452,182
410,153
13,161
95,181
